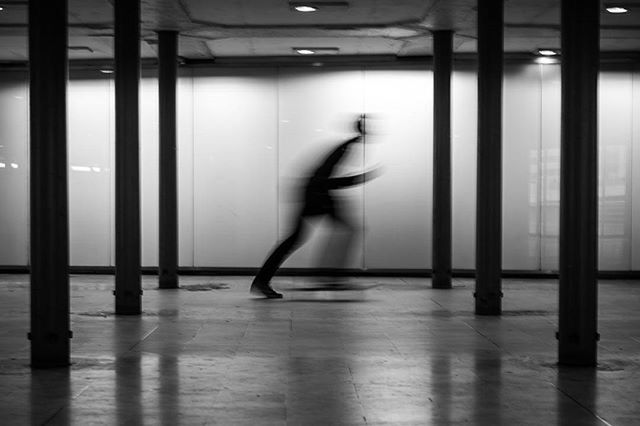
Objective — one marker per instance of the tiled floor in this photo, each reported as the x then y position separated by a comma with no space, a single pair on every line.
400,353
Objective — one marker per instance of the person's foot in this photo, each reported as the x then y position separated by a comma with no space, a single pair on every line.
264,289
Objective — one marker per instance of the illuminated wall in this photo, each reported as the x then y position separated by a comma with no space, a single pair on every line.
247,137
14,170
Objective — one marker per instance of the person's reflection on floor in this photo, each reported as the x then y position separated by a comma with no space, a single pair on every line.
318,201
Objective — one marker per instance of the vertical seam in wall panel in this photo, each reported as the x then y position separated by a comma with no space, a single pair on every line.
635,138
601,173
540,179
363,227
193,170
630,170
28,162
111,125
277,171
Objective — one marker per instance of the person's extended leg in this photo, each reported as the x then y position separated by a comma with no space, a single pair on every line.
261,282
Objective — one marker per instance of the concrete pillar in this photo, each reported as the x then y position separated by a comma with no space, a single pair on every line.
50,332
127,60
442,68
488,293
168,208
579,183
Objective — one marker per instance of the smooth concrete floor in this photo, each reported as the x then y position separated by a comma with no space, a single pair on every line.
398,354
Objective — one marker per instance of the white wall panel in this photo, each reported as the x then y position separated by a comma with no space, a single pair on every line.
520,168
398,205
149,168
112,166
14,169
615,128
90,208
316,112
635,184
550,166
464,135
235,166
246,138
185,167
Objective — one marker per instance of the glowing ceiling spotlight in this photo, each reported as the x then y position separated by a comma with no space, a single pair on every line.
313,6
304,8
547,52
546,56
617,9
316,50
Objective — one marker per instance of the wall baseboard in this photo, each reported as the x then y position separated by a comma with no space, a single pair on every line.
288,272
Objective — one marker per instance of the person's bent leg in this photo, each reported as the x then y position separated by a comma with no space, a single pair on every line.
261,283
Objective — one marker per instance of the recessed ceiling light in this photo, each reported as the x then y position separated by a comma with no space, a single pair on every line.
547,52
1,8
316,50
305,8
617,9
106,71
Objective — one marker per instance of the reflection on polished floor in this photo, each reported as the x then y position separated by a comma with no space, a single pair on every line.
400,353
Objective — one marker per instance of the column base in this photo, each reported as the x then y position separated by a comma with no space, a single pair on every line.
488,304
441,281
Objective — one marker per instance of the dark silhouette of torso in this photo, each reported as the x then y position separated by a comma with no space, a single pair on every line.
317,191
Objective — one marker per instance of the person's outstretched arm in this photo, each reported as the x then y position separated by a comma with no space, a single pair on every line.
351,180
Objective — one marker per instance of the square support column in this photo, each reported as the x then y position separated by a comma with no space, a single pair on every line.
442,68
578,295
128,248
168,197
50,333
488,293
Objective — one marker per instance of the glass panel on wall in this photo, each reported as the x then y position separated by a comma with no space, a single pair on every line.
149,167
520,164
235,166
614,184
14,168
90,171
247,138
464,116
398,205
635,174
184,125
550,166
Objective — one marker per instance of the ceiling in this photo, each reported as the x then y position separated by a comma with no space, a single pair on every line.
212,29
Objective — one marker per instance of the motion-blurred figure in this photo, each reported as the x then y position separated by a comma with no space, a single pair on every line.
317,202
